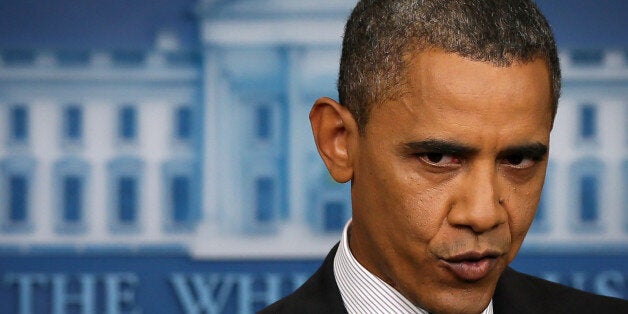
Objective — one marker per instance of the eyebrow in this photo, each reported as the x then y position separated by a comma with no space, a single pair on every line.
439,146
532,150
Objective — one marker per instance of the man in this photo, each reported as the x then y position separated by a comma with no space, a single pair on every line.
443,129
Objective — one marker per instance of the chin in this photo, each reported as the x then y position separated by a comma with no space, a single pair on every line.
463,297
466,304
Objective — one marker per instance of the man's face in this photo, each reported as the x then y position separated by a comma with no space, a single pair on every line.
446,179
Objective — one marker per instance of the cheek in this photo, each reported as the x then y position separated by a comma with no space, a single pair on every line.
406,203
521,210
425,207
407,208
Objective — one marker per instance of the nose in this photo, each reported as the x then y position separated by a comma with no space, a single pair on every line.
478,205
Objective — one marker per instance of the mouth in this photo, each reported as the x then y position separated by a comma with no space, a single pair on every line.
471,266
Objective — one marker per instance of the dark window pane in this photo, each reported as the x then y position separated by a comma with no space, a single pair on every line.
73,58
183,58
265,199
128,123
587,57
334,216
588,122
72,199
263,123
18,198
18,57
128,58
589,198
127,199
181,198
73,123
183,125
19,123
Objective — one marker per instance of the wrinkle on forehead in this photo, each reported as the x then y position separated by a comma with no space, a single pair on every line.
440,79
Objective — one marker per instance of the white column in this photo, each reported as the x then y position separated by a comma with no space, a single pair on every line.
297,197
210,150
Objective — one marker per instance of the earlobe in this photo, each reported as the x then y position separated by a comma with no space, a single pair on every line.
334,132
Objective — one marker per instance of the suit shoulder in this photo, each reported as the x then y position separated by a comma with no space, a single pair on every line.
319,294
521,290
306,299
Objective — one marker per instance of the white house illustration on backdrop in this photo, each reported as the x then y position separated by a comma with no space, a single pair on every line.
209,151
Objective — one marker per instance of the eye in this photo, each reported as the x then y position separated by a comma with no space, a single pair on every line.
439,159
519,161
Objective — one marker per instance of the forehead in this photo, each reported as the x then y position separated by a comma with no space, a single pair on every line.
442,89
435,71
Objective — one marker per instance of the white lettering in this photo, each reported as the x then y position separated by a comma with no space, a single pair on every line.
26,283
611,283
249,296
207,294
83,298
75,293
120,293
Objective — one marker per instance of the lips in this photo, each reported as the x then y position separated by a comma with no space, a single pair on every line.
471,266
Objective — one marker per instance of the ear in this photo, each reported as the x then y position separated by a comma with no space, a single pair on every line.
335,133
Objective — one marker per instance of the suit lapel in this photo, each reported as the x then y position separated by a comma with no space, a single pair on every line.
512,295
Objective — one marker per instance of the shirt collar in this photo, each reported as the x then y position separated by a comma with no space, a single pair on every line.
363,292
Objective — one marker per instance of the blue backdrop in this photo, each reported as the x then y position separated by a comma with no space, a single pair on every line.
155,156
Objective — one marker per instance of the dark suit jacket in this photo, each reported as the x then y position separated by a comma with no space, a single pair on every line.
515,293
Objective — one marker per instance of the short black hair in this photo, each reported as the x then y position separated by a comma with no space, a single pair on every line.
380,34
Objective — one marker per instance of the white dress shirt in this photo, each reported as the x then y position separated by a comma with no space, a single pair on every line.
362,292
